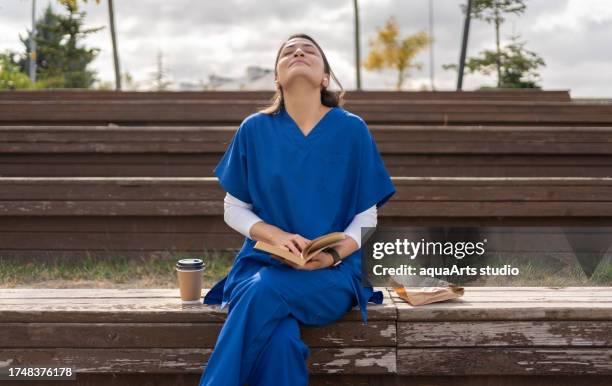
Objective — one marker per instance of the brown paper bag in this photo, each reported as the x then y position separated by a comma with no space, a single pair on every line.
424,295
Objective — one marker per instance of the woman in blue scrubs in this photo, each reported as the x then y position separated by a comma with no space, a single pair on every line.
306,167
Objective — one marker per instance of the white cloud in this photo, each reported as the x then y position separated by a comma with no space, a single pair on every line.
576,15
200,38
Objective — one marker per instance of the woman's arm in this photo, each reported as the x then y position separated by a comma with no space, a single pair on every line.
240,217
367,218
238,214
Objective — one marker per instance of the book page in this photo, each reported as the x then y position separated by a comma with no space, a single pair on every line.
321,243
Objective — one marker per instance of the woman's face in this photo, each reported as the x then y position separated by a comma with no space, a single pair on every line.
300,58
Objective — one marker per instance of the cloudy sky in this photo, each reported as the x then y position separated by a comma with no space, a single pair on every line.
201,38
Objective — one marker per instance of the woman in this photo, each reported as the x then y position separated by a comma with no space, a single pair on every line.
301,168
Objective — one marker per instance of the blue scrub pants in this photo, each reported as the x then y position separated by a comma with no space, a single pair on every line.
260,343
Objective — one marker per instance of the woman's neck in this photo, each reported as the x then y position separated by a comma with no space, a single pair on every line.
303,103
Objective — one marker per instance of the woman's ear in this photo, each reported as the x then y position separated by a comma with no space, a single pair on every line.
325,82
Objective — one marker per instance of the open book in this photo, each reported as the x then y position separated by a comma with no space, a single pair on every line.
315,246
424,295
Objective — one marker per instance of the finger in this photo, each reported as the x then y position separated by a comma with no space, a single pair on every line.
297,244
292,248
303,242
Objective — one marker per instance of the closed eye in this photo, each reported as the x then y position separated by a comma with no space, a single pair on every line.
307,51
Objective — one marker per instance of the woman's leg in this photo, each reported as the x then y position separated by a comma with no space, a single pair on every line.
282,361
259,303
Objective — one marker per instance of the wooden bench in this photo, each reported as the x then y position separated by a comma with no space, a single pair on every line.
222,112
505,94
495,335
415,151
141,216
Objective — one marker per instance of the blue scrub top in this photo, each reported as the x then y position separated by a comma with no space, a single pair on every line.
306,184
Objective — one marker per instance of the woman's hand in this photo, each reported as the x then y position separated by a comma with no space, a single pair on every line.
292,242
318,261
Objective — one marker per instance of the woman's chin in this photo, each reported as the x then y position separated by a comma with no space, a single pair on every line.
299,77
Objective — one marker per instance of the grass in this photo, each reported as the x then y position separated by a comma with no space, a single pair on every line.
159,272
118,272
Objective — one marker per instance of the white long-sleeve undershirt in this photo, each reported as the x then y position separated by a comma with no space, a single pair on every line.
240,217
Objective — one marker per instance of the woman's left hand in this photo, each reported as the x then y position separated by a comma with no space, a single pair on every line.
318,261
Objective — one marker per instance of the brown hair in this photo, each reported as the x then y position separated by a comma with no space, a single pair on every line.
328,98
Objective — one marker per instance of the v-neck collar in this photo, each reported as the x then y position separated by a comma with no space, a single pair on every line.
295,130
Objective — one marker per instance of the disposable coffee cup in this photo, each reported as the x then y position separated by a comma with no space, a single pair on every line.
189,272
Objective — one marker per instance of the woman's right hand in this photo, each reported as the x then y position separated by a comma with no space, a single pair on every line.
289,241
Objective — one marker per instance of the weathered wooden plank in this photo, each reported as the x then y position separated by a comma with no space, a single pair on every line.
140,312
412,139
172,295
416,196
105,190
354,361
475,305
379,111
44,238
153,310
92,379
185,214
364,360
509,94
472,292
454,310
157,164
503,361
407,209
179,335
352,334
580,333
88,293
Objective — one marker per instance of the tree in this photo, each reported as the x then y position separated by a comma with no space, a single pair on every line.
61,61
492,11
11,76
388,51
515,65
111,22
73,3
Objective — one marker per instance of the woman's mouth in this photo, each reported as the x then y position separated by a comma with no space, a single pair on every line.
296,62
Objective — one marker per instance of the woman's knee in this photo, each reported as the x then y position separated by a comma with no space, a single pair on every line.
260,286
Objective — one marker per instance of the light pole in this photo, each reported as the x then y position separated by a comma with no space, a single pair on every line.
357,51
431,50
466,31
111,17
33,44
